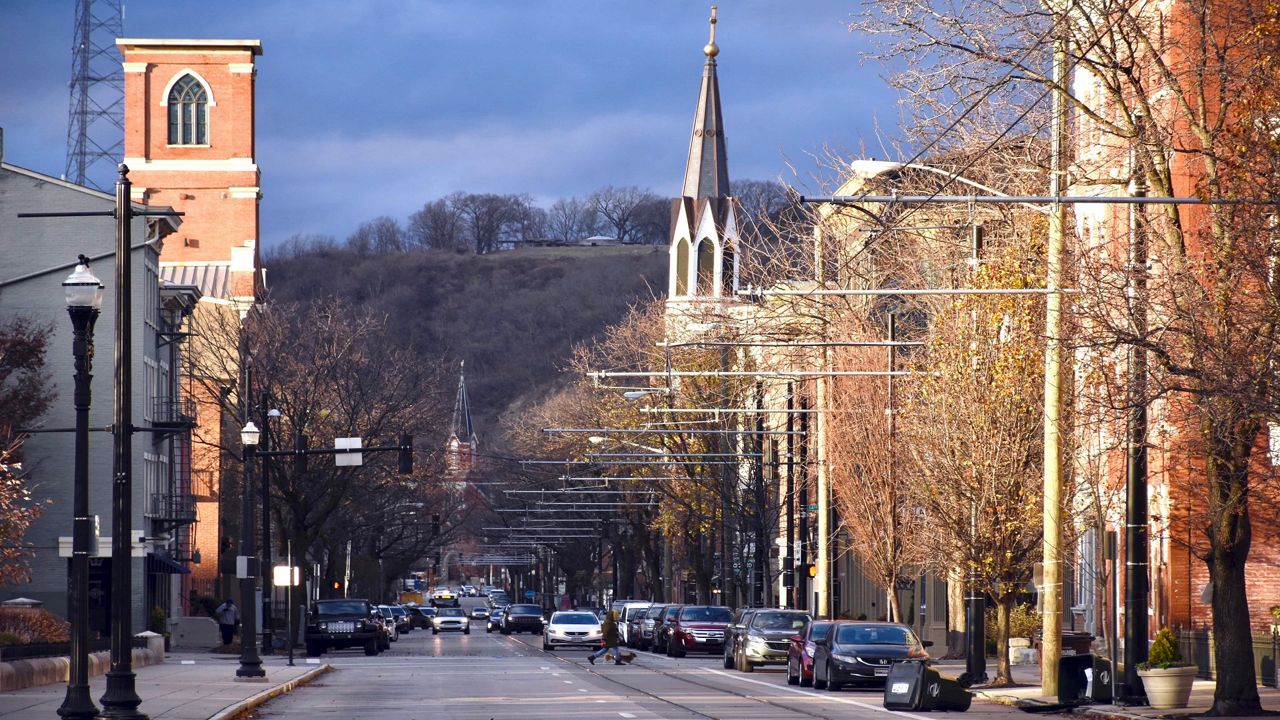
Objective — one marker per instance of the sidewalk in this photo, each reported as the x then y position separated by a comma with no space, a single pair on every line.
186,686
1030,694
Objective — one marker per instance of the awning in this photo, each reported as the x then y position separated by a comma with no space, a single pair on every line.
164,565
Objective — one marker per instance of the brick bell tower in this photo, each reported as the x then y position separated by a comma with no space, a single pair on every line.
189,144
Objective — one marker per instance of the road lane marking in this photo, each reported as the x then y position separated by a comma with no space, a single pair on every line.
806,693
626,715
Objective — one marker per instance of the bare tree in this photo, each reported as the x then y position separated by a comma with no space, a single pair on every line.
571,219
439,225
618,207
25,395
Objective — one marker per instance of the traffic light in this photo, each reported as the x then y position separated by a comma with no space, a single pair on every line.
300,455
337,585
406,454
435,524
811,570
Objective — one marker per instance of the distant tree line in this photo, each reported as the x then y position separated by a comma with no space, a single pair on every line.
484,222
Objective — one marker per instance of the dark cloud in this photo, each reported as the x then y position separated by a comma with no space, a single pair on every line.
373,108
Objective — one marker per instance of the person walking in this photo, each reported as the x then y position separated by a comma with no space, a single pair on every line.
610,641
227,614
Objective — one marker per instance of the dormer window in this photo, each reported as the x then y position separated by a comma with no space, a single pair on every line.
188,112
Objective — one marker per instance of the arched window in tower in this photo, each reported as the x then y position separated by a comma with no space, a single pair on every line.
682,268
706,267
188,112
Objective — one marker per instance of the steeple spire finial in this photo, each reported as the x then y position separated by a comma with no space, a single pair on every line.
711,49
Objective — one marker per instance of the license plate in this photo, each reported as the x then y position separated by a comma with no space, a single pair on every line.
882,672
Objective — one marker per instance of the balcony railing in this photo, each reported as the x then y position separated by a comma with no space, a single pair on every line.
172,508
174,412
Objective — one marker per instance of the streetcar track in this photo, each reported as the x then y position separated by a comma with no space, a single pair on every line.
682,678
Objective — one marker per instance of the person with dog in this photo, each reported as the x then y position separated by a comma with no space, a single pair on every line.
610,641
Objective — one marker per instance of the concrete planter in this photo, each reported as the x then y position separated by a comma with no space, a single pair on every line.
1169,688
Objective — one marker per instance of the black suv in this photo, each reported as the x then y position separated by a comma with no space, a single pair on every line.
522,618
343,623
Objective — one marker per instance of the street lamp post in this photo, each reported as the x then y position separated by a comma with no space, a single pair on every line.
268,631
84,298
250,662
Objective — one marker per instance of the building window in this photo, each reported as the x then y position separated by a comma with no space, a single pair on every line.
188,112
706,268
682,268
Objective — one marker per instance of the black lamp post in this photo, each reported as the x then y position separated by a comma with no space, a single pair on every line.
250,662
84,298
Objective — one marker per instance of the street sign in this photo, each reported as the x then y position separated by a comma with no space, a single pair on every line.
813,508
347,459
530,594
281,575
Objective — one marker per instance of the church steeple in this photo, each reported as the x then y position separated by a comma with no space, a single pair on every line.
706,174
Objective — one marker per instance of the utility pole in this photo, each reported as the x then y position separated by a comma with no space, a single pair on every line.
1051,591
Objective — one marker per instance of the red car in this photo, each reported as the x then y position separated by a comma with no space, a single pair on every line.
698,628
800,654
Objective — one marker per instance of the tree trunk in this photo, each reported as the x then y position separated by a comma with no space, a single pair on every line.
1230,535
1004,607
895,606
956,627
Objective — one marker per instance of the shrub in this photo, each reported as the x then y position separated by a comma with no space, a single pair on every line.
1164,653
8,638
1024,621
158,622
202,603
34,625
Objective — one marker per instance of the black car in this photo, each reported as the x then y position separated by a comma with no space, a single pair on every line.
421,616
861,653
495,620
522,618
662,628
343,623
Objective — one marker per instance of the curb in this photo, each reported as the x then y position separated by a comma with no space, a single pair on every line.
1111,713
236,709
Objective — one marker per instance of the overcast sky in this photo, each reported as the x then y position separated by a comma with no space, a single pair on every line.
370,108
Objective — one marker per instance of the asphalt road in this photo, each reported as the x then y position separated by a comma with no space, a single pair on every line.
483,676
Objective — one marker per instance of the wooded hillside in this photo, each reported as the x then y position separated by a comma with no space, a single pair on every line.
512,316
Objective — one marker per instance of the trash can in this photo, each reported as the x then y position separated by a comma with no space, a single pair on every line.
911,685
1084,679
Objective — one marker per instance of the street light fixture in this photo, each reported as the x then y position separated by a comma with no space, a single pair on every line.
84,299
250,662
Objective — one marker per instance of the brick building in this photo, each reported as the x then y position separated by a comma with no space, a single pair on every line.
190,145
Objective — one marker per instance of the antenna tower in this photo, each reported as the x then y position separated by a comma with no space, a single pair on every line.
95,119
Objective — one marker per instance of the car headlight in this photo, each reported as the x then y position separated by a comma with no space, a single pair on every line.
756,642
810,649
324,627
845,658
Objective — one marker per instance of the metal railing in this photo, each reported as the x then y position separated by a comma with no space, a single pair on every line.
177,411
172,507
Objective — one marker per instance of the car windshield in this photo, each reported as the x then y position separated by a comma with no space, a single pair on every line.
780,621
706,614
524,610
654,612
875,635
427,611
451,612
819,628
574,618
397,611
353,607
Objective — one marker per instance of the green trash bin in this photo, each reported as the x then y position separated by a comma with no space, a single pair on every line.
913,686
1083,679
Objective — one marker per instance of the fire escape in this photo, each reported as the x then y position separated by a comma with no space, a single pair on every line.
171,508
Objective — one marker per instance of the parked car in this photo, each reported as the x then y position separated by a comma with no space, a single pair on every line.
343,623
448,619
522,618
698,628
647,627
662,628
861,653
628,612
762,637
495,620
389,619
572,627
421,616
403,623
800,654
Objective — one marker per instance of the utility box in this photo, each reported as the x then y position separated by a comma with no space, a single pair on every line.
914,686
1084,679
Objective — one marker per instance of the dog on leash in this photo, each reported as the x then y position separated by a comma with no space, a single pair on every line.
625,657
